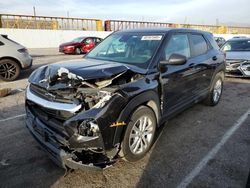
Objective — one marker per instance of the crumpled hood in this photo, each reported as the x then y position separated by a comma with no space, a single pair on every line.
238,55
83,69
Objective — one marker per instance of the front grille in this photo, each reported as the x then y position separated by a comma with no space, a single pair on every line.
50,113
54,119
236,65
43,93
44,132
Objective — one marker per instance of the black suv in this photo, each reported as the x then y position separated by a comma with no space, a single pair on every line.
88,112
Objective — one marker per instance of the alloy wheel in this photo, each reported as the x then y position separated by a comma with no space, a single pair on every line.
141,135
217,90
8,70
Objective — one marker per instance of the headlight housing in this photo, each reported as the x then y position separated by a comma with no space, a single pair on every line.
88,128
69,47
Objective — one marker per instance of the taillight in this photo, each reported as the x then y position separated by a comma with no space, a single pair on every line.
23,50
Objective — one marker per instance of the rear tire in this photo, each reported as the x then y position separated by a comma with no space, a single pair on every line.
215,92
9,70
139,135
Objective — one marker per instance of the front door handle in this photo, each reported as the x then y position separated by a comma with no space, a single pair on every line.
191,65
214,58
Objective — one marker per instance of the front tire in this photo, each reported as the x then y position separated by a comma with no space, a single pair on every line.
215,92
9,70
77,51
139,135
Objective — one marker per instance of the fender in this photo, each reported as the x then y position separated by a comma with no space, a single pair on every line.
219,70
142,99
14,59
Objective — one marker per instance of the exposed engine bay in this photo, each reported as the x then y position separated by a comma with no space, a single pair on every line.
90,93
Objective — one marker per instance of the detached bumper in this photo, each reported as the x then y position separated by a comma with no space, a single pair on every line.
50,142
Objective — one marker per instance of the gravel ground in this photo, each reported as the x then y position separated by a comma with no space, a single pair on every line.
184,142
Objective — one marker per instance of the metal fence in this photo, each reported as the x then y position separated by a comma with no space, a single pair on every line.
65,23
46,22
115,25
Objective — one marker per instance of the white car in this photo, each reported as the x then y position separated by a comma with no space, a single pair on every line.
13,58
237,57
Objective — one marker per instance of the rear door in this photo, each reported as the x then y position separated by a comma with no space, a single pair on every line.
201,63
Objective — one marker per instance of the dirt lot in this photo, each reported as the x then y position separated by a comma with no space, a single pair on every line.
201,147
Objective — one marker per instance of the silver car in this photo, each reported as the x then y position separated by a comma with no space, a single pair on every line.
237,57
13,58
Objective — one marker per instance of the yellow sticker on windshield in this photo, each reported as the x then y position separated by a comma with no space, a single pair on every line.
153,37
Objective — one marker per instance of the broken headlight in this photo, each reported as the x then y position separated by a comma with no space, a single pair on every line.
88,128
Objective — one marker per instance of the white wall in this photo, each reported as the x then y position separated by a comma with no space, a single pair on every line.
33,38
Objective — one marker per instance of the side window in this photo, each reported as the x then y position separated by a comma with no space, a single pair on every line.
88,41
199,44
1,43
178,44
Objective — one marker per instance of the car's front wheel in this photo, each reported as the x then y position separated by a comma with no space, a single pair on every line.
139,135
77,51
9,70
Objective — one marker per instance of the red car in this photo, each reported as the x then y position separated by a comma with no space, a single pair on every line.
79,45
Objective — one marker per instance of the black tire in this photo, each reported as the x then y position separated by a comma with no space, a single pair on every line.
9,70
138,115
211,100
77,51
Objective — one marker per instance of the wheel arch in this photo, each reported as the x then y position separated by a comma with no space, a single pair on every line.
12,58
219,72
149,99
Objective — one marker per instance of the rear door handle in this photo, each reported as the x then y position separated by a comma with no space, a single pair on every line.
214,58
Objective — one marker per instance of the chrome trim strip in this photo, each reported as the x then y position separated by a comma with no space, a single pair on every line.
52,105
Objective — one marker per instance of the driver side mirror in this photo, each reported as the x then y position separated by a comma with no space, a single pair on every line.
175,59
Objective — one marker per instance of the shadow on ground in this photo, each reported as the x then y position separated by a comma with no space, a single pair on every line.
188,137
22,162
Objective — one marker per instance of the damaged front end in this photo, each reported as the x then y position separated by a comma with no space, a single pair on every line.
238,68
73,117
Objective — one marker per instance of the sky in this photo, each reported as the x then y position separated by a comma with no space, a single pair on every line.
230,12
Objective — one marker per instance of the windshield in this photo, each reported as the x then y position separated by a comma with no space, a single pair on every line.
242,45
129,48
79,39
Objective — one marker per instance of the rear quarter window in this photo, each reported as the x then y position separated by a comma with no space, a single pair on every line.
199,44
212,41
